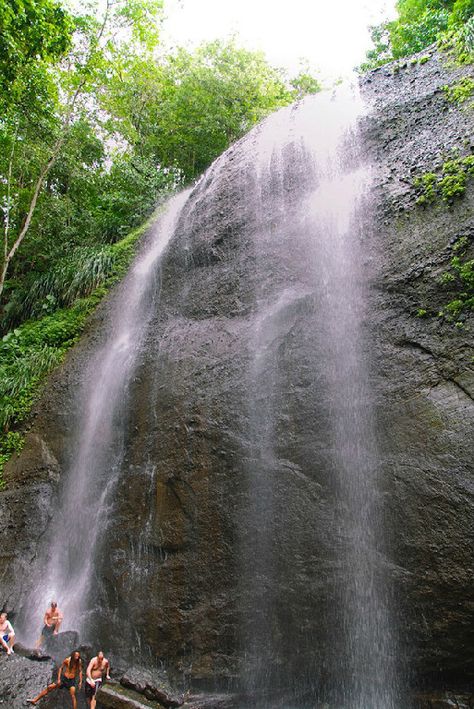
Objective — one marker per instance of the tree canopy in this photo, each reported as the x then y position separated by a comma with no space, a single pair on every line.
419,24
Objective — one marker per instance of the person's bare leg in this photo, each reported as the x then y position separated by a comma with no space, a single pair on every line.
12,641
46,691
5,645
72,692
93,702
56,627
39,642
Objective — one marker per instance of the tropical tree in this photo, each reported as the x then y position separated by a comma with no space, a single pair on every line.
184,109
419,24
67,91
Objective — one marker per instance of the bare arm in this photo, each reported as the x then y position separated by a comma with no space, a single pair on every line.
89,669
80,674
107,670
61,669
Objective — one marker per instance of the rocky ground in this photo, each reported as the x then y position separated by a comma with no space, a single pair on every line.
22,677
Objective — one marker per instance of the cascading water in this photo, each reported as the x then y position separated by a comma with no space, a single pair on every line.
80,523
238,481
312,180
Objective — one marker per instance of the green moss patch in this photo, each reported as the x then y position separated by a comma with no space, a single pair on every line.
460,91
448,184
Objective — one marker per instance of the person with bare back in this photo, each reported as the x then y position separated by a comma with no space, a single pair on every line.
97,668
7,634
52,621
68,674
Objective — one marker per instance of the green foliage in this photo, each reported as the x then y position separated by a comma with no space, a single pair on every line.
54,149
420,23
460,91
413,32
182,111
33,33
10,443
449,184
459,281
304,83
72,277
31,351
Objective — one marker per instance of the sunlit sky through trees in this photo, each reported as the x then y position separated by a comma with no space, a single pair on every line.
331,34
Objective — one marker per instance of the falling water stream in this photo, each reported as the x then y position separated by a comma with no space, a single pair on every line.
80,522
312,178
310,211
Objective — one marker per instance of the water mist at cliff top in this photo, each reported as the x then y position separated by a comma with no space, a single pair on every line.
254,340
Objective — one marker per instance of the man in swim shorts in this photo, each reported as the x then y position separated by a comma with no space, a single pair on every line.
52,622
96,669
7,634
69,672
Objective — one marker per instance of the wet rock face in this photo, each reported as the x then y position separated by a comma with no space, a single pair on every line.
184,571
424,379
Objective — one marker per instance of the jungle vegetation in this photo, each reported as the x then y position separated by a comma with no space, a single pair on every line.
419,24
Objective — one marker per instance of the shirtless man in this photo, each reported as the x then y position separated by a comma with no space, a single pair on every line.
68,673
52,621
7,634
96,669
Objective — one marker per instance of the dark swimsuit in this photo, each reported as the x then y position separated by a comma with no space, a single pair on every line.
67,682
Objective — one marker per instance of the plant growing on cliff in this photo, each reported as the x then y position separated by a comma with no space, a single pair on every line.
459,281
460,91
449,183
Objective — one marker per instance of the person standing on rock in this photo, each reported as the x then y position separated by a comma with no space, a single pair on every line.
7,634
96,669
52,621
68,674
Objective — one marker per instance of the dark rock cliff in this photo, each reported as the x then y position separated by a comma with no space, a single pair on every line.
175,582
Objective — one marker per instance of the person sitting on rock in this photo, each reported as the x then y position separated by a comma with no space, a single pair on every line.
96,669
68,673
52,621
7,634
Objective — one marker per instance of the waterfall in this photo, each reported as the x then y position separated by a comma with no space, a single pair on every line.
80,522
237,489
316,188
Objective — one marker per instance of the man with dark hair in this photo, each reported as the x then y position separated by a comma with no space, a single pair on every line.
68,673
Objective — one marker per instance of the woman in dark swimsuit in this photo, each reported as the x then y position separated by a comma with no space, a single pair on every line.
70,670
